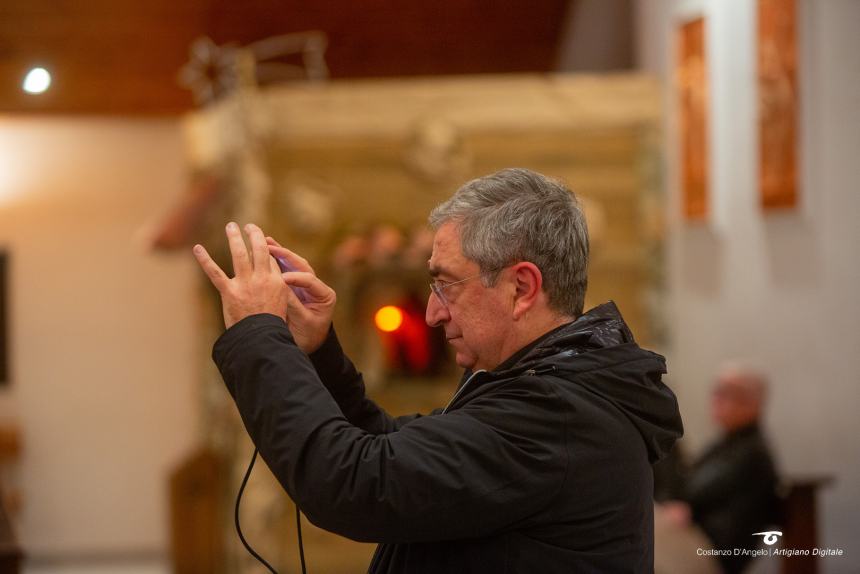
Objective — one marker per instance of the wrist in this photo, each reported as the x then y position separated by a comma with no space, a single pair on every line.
314,345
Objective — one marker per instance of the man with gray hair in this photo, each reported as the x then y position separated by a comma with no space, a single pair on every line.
541,461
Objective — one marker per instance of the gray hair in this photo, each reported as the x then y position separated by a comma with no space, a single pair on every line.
519,215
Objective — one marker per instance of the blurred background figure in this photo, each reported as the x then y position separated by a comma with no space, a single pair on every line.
730,490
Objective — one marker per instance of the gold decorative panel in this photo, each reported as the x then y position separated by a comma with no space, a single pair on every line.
692,86
778,103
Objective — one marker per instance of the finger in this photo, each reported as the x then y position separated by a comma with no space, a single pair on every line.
274,265
241,262
294,259
293,302
259,249
218,278
298,262
316,289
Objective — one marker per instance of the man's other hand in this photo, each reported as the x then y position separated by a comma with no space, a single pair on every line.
257,285
309,322
678,513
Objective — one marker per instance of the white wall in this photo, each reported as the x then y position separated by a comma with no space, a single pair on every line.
102,331
782,290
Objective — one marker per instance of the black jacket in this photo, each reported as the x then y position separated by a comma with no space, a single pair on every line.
731,490
540,467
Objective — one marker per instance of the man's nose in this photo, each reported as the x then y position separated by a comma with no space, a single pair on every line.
436,312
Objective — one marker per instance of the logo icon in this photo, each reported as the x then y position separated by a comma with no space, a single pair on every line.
770,536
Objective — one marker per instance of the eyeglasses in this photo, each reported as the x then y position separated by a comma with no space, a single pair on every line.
438,287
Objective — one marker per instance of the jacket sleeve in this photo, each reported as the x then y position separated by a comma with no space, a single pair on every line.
474,471
346,386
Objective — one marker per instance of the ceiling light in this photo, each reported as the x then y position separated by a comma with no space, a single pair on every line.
37,81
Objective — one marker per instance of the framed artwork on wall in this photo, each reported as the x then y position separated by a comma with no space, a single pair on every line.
691,76
778,103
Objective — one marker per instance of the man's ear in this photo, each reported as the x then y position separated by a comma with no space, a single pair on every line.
528,282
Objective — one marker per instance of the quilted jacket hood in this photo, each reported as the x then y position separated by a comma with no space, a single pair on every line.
598,352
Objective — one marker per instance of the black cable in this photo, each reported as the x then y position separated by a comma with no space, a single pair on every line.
236,516
301,546
239,528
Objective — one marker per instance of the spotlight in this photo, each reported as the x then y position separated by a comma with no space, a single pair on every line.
37,81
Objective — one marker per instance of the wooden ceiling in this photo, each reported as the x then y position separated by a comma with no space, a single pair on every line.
123,56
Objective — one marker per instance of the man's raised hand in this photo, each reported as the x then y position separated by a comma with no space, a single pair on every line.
257,285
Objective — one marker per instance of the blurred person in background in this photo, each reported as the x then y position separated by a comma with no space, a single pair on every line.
541,462
730,491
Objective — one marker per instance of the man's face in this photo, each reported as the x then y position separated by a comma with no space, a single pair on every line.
477,319
733,402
